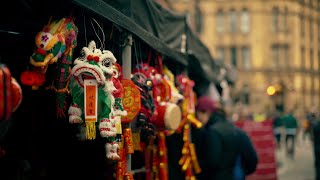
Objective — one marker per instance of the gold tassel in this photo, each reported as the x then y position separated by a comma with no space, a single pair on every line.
186,133
90,130
183,159
194,159
186,164
194,121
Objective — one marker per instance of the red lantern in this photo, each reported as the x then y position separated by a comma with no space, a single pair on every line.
32,78
16,94
10,93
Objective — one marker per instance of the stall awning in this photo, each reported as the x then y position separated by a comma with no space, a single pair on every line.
120,12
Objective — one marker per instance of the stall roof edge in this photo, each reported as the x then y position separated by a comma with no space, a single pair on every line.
105,10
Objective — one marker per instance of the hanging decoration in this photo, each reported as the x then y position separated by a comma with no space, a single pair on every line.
10,93
162,114
94,97
169,78
143,119
32,78
188,161
167,115
54,44
131,100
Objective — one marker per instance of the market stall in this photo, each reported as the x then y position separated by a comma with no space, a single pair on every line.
88,51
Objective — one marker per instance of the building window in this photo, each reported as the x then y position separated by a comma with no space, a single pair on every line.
319,29
315,61
311,60
302,25
311,30
245,21
233,21
275,19
285,19
245,52
311,3
318,61
220,21
280,54
220,53
233,55
285,58
275,56
199,19
303,55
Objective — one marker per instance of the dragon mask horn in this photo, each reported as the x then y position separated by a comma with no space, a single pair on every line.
56,27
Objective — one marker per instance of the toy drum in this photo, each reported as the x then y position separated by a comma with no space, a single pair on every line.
168,116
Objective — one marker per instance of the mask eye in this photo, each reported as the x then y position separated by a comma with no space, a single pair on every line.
82,55
106,62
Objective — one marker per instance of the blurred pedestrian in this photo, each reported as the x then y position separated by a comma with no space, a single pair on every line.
308,124
277,126
316,146
291,127
220,145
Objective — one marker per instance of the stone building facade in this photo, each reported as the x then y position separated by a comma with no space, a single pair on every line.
271,43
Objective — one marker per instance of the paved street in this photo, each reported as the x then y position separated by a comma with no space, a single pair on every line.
299,168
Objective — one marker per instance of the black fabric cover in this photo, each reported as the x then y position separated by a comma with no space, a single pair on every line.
120,13
149,21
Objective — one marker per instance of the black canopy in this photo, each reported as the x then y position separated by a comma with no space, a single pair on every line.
149,21
119,12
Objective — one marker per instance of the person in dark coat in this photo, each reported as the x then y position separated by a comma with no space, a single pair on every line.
219,143
316,147
277,126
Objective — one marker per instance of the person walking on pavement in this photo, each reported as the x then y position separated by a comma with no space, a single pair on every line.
291,126
308,124
316,146
219,144
277,126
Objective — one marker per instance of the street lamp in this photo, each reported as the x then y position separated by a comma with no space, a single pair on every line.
271,90
277,96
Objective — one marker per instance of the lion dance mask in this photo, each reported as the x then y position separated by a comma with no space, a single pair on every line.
96,96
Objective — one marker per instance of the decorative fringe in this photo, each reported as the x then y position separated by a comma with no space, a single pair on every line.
194,160
90,130
194,121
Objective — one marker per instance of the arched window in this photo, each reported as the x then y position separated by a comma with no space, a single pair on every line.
245,21
220,21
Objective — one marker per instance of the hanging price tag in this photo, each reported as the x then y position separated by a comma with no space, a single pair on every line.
90,100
